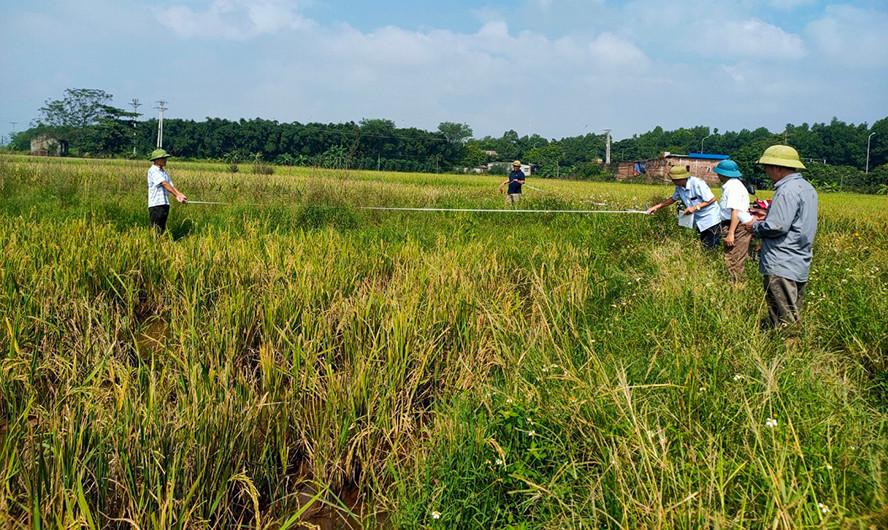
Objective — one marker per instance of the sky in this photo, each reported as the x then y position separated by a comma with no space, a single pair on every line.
553,67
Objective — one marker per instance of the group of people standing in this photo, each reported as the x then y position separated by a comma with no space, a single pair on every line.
786,229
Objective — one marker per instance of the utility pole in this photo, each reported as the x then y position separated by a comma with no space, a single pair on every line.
161,106
607,147
135,104
868,138
713,133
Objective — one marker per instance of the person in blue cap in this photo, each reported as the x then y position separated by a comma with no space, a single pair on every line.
734,206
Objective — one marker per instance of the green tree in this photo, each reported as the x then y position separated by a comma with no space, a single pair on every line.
457,133
474,156
879,143
548,159
79,108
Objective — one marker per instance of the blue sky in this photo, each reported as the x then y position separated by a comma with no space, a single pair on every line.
556,67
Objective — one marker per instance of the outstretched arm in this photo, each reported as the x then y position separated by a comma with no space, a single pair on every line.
176,193
663,204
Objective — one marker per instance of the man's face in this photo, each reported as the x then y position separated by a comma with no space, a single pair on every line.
681,183
775,173
161,162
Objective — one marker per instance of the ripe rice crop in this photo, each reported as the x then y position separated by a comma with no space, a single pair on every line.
288,359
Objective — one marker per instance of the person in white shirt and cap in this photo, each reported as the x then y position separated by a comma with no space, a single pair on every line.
734,206
698,200
159,187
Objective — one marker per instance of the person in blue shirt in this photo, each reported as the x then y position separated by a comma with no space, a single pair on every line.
787,235
515,181
698,200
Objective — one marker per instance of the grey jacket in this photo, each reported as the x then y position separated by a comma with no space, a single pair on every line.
788,231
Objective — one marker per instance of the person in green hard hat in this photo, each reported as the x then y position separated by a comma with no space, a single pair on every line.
787,233
698,200
734,206
159,187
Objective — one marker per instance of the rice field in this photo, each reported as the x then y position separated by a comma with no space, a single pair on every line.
289,360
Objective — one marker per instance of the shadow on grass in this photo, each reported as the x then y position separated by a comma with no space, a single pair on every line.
182,229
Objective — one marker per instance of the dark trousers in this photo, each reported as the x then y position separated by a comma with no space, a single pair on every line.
158,217
785,298
711,237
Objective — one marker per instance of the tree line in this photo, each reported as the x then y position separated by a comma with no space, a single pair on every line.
85,118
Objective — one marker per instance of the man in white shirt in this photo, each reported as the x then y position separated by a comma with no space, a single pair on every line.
159,187
734,206
699,200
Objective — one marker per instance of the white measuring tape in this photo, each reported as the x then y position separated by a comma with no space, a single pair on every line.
492,210
466,210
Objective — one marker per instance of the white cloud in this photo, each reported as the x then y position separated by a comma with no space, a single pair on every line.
750,38
609,49
545,66
493,78
234,19
850,36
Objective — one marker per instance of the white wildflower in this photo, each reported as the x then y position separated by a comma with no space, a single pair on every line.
499,461
436,515
532,434
738,377
824,509
771,423
829,467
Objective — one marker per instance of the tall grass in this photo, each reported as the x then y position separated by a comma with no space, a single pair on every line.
288,355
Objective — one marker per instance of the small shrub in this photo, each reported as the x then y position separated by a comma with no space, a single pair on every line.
231,159
260,167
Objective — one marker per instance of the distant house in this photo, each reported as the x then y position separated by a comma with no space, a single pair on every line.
657,169
48,145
